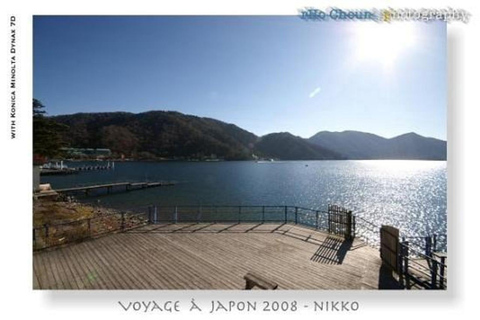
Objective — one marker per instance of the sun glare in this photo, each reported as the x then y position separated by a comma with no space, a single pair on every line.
383,43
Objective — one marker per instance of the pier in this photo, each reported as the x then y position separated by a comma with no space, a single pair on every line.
57,172
127,186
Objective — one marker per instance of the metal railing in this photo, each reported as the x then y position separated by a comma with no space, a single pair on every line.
367,231
422,258
429,244
425,244
417,268
50,235
228,214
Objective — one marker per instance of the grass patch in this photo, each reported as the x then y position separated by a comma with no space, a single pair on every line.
51,212
58,222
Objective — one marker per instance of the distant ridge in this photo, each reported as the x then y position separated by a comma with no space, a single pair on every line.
173,135
286,146
362,145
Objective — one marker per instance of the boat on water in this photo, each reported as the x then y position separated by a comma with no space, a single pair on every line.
54,166
57,168
265,161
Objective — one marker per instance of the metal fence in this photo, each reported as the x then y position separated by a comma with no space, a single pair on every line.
367,231
230,214
427,244
57,234
422,259
426,271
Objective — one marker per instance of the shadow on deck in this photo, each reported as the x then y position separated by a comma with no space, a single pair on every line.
306,234
388,280
332,251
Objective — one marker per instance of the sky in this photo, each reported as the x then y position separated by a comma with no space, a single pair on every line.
264,74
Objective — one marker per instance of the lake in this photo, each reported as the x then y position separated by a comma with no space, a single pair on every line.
411,195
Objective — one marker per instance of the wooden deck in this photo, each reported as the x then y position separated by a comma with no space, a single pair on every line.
211,256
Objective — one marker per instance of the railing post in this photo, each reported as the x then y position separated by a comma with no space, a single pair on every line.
263,214
155,214
428,246
239,213
329,220
434,273
348,234
286,213
434,242
442,273
354,226
296,215
176,214
405,264
400,263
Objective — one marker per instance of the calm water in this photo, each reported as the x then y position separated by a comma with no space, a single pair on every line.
411,195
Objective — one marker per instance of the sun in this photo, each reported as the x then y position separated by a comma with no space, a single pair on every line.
383,43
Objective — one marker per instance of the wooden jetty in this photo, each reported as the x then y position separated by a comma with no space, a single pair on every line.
95,167
57,172
211,256
109,186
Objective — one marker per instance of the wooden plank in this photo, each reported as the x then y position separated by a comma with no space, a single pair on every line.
161,269
77,275
78,258
95,275
46,280
73,277
102,253
35,281
108,249
59,274
97,255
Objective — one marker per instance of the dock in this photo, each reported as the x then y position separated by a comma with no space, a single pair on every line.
110,186
57,172
212,256
216,247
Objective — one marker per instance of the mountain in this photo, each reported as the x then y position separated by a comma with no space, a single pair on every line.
414,146
286,146
158,134
352,144
361,145
173,135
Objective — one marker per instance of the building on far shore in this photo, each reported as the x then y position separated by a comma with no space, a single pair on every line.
87,152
